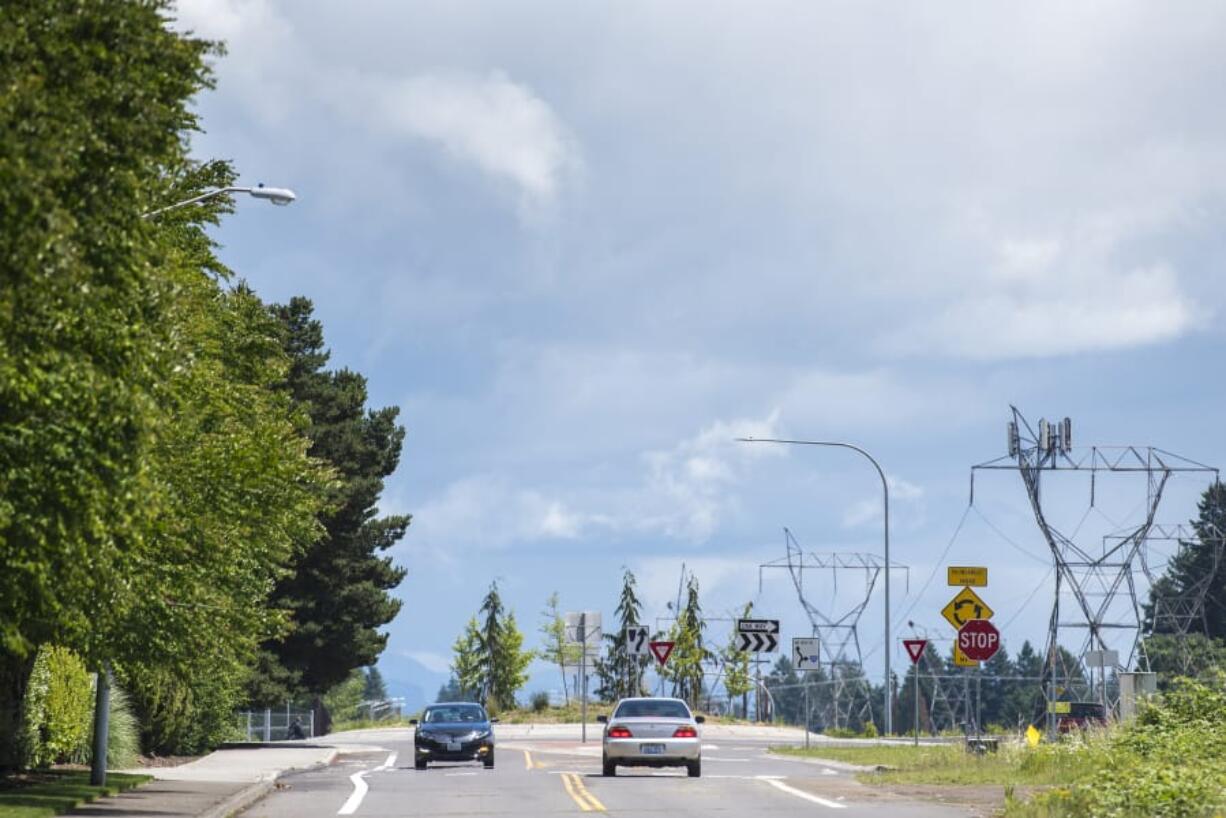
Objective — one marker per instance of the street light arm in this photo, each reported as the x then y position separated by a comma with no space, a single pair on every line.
885,493
202,197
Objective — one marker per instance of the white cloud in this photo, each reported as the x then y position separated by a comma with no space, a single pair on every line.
499,126
869,510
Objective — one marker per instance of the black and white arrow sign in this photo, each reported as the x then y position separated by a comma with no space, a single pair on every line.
757,635
757,642
636,641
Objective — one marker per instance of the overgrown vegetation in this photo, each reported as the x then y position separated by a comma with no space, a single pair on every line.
165,463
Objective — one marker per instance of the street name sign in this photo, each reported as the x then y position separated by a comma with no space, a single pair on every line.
806,653
965,607
979,640
757,635
973,575
636,640
915,649
661,650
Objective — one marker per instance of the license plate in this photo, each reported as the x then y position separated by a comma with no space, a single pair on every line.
454,746
651,749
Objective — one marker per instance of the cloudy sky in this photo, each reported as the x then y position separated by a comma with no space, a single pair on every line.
584,246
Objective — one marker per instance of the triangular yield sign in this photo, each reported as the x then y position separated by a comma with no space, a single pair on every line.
915,648
661,650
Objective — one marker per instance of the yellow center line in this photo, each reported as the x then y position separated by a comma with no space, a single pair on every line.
577,791
527,760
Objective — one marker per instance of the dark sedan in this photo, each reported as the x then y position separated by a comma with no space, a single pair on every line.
453,732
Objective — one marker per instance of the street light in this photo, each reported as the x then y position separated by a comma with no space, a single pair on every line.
102,701
885,493
277,195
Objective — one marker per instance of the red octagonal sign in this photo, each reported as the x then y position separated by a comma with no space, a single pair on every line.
979,640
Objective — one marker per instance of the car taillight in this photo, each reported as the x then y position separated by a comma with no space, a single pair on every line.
685,732
620,732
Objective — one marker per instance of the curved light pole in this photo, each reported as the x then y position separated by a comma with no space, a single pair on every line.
885,493
276,195
102,693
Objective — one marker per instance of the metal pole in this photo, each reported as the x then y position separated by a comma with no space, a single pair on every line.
267,724
916,703
885,492
102,719
806,714
583,676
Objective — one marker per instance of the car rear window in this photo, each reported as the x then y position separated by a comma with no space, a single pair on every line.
652,709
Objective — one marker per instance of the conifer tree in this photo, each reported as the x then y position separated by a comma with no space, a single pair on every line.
620,674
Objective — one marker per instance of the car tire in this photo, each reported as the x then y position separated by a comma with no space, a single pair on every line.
419,764
607,768
694,768
489,761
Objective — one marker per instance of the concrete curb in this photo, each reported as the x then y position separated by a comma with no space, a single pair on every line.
252,793
240,800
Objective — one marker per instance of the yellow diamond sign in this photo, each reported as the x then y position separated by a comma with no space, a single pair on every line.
964,607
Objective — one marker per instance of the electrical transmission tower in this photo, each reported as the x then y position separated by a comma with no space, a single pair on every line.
850,692
1183,613
1100,581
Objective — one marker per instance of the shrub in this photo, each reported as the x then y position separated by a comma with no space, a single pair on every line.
540,701
870,730
59,709
839,732
123,732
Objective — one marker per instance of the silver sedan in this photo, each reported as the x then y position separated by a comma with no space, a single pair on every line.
652,733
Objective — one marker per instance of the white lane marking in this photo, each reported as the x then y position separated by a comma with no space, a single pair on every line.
828,771
816,799
359,792
453,775
710,746
746,777
387,765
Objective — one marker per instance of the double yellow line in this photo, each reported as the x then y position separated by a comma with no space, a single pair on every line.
575,789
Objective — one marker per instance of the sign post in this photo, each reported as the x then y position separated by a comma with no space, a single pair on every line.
915,649
583,628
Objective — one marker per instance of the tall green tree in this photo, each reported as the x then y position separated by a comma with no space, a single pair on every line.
115,351
690,656
618,673
338,590
468,667
738,679
503,662
376,689
556,650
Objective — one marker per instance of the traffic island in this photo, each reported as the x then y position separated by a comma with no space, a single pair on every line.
39,794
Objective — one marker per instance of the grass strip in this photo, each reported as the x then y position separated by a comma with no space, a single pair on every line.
951,764
36,795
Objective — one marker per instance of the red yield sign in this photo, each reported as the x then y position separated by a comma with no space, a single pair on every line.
979,640
661,650
915,648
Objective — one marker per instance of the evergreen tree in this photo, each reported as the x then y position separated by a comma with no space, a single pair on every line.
1192,563
993,687
1022,700
502,664
786,692
467,668
337,593
376,690
619,674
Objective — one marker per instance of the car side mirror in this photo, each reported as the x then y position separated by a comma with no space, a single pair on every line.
602,719
700,719
413,722
494,720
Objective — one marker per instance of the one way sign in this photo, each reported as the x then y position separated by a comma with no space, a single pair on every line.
757,635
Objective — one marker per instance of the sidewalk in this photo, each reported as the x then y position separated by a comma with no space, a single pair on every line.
215,786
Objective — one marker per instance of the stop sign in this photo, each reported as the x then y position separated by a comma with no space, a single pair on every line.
979,640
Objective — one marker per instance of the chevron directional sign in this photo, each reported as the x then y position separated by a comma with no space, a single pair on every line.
758,635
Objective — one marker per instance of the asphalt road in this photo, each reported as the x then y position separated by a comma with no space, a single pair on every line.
535,778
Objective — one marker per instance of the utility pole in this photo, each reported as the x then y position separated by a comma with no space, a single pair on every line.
583,676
